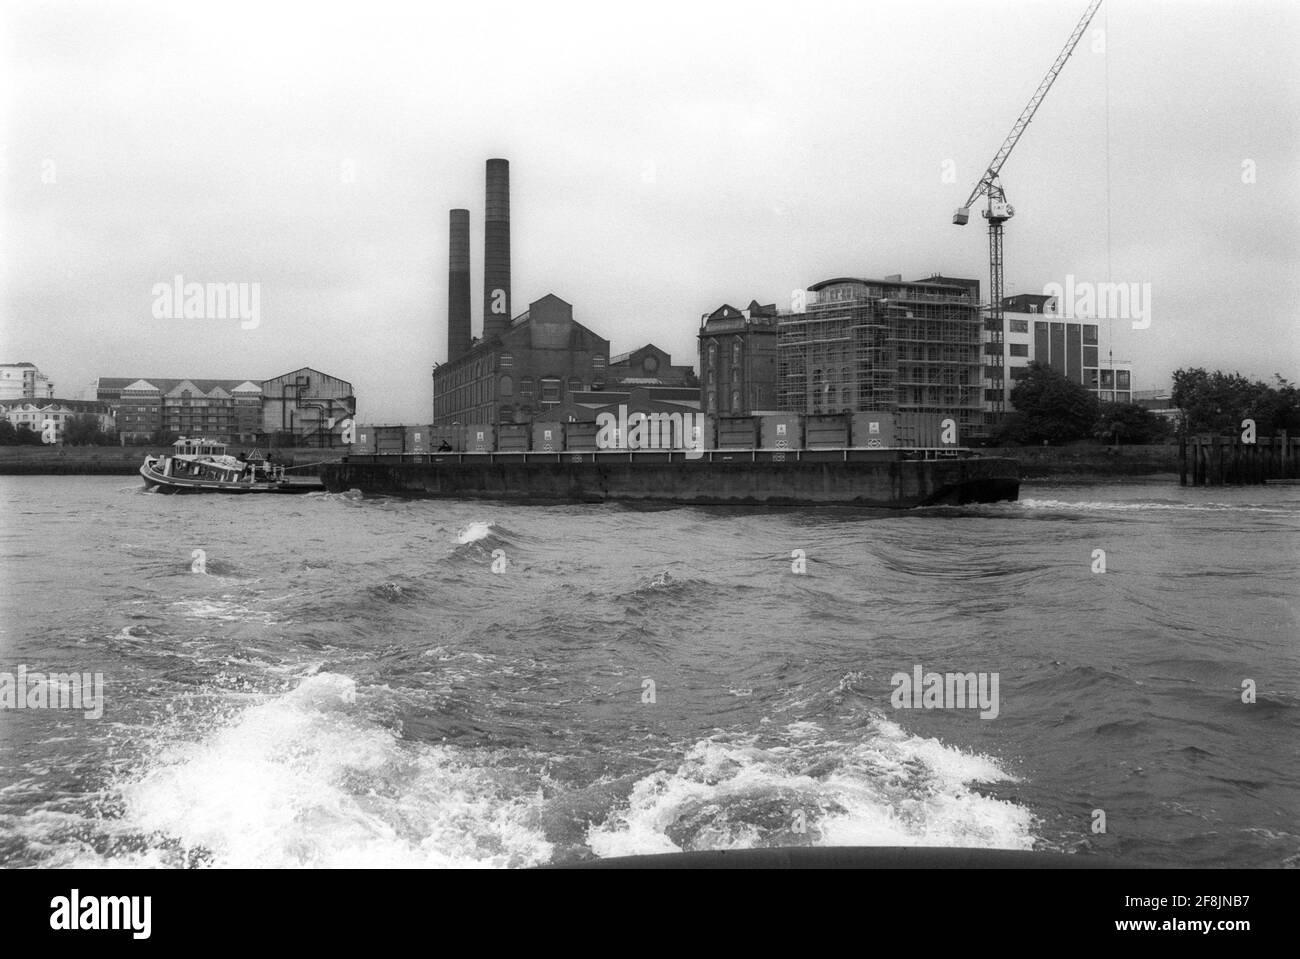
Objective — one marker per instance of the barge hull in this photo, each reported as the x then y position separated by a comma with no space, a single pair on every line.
891,484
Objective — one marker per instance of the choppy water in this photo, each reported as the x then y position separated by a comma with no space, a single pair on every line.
348,682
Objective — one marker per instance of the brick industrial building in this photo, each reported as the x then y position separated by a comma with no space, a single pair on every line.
541,364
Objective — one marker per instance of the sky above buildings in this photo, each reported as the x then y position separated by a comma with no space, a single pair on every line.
665,158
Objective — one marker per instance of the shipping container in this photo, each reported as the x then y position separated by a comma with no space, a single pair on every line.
580,436
446,439
389,439
704,434
512,438
480,438
873,431
737,433
826,431
781,431
548,437
417,439
927,430
365,441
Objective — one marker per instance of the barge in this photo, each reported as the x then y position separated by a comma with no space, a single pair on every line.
890,479
880,460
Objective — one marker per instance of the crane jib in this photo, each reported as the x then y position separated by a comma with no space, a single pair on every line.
986,181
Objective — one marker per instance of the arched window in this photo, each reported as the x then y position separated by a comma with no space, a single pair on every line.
507,385
713,354
735,401
735,351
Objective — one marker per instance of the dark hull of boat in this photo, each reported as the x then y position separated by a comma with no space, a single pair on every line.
818,478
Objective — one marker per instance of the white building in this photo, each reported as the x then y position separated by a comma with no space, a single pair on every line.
1033,331
20,381
36,415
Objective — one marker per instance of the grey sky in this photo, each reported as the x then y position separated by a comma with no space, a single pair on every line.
665,158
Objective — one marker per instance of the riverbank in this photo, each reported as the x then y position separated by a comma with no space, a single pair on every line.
1086,462
124,460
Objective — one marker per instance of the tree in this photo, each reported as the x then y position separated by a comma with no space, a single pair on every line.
8,435
1129,423
1049,407
1217,402
27,436
83,430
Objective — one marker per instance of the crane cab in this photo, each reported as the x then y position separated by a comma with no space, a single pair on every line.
999,210
962,216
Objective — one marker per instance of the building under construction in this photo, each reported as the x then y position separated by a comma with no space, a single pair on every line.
886,346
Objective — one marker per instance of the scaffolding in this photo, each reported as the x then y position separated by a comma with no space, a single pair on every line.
884,348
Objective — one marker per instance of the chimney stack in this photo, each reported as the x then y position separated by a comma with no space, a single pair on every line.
459,306
496,250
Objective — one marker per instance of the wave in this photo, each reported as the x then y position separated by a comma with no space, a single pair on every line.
894,788
1142,507
304,779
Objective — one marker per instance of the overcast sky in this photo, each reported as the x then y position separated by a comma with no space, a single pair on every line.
665,158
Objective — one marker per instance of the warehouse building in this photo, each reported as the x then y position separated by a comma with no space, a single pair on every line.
302,408
738,360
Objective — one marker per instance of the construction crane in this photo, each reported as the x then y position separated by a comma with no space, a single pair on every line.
998,210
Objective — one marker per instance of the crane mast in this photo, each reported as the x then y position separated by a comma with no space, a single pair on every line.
998,210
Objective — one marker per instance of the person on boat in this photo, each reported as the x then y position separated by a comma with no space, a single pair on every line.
444,447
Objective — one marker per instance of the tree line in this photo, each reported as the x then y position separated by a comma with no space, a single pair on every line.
1051,408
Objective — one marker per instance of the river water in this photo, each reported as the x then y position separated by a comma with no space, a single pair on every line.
345,681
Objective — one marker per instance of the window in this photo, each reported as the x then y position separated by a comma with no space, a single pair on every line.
1019,372
713,354
735,352
1089,334
1107,379
1089,353
993,396
550,390
506,361
1019,326
507,386
526,390
1122,379
598,363
1019,349
575,385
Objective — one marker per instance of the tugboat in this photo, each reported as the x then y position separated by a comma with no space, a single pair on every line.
203,466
